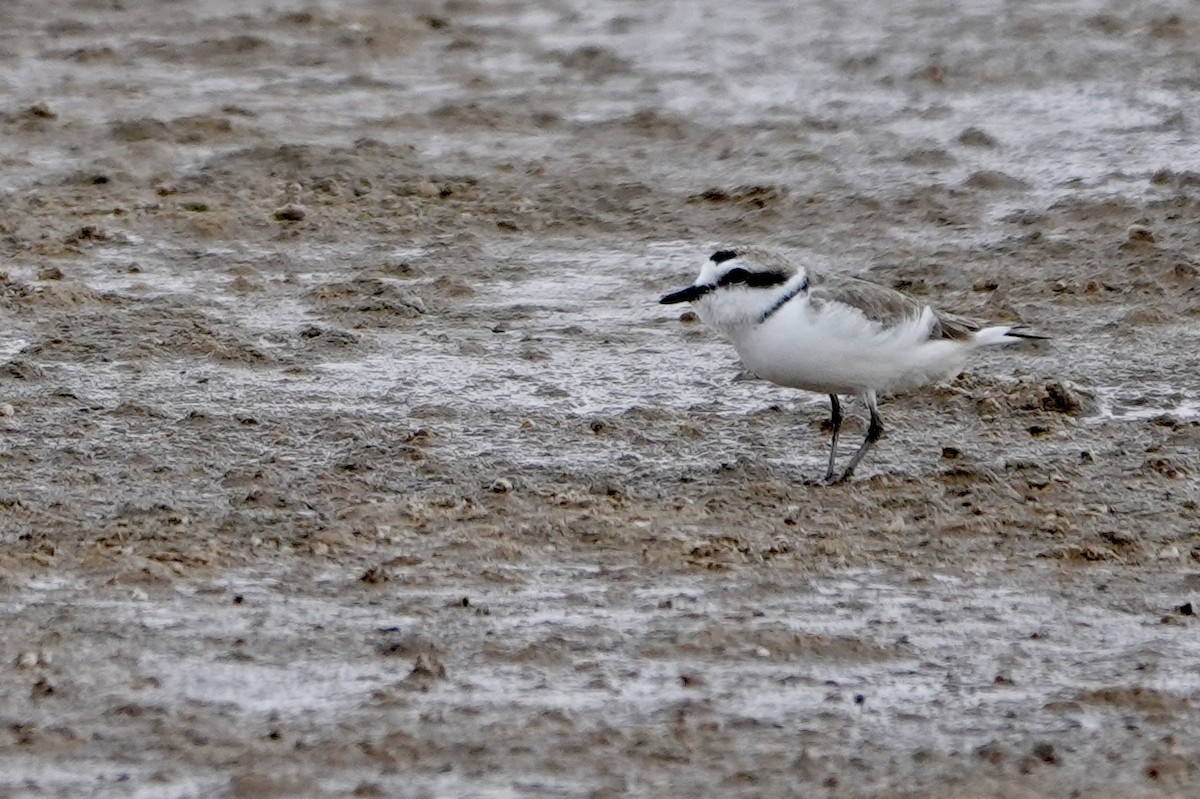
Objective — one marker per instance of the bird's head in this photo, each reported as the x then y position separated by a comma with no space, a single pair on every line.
738,286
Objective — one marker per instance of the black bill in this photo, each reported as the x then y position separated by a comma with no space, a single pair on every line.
689,294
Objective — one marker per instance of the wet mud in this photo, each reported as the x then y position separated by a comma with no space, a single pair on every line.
346,451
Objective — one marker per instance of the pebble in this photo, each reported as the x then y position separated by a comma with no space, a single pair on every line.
1045,752
1140,233
427,188
976,137
292,212
1169,552
6,409
1162,177
993,180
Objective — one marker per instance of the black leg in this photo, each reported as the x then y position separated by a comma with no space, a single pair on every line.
874,432
835,419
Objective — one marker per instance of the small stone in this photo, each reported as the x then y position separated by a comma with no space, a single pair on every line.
976,137
987,407
762,652
1140,234
50,273
1120,538
375,575
1063,397
1162,177
501,485
1186,609
992,180
6,409
292,212
1045,753
426,670
88,233
27,660
426,188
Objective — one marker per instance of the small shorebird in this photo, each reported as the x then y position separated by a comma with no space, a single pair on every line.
832,334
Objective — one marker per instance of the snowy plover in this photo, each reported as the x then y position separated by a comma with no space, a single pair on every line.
832,334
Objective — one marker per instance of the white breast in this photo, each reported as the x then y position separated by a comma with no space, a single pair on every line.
837,350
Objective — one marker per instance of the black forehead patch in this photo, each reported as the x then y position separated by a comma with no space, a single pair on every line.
721,256
755,280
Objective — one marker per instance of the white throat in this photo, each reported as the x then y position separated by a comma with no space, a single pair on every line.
733,310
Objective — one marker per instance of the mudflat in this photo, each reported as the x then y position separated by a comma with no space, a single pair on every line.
346,451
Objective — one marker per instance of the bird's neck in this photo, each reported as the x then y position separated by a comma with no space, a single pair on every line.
735,311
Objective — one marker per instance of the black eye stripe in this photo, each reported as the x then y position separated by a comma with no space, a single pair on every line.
737,275
755,280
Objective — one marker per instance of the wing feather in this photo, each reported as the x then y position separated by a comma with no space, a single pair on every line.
886,307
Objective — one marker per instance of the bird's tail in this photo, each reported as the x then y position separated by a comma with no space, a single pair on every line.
1005,334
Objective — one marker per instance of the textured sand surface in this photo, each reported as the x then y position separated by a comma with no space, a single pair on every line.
346,451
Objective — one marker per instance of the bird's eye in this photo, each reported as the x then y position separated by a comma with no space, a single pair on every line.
735,275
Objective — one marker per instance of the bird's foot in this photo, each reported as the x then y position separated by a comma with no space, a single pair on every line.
829,479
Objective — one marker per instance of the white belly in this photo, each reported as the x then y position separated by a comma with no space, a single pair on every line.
843,353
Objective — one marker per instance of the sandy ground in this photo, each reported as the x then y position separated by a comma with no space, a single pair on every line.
346,451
